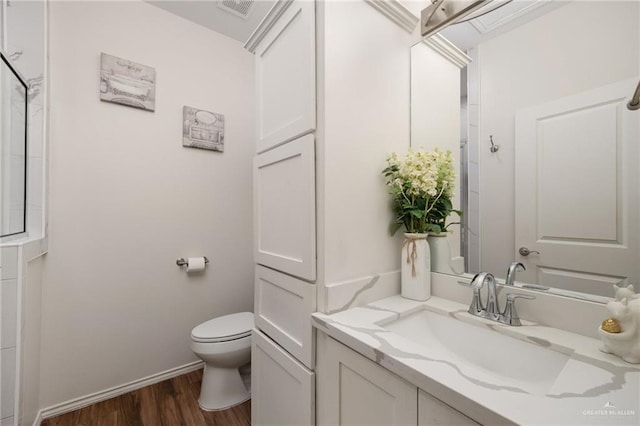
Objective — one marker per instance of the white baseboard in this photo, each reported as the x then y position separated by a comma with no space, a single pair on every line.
38,419
85,401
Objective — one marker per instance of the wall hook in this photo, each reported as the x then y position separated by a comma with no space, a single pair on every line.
494,147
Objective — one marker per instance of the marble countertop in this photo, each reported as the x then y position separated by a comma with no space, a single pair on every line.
591,388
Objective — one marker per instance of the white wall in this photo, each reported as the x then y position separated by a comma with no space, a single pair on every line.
436,115
127,199
363,116
577,47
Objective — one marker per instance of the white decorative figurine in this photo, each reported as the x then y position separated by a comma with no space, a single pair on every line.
621,333
625,292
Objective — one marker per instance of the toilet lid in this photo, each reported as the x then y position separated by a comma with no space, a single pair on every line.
228,327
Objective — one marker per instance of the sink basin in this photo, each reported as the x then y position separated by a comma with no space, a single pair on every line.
481,353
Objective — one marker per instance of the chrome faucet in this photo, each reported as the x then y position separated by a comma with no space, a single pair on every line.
476,308
511,273
492,309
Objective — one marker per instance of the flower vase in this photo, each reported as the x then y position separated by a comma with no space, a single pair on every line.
415,272
440,253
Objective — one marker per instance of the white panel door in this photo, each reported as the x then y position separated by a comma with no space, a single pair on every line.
357,391
285,77
577,190
282,389
283,308
285,208
432,411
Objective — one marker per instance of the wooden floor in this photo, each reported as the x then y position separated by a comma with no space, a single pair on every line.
169,403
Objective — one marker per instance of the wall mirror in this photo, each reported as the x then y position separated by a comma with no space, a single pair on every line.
548,86
13,142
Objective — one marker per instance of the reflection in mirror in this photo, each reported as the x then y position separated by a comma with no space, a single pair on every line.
13,145
560,194
435,116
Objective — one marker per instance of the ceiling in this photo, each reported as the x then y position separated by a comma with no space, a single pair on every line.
208,14
506,16
509,15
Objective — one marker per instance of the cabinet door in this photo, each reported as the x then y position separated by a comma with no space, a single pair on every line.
432,411
285,208
285,77
283,308
357,391
282,389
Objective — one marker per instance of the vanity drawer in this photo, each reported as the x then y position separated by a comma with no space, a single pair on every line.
283,308
282,389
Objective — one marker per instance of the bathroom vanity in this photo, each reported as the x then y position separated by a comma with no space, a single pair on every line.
397,361
333,102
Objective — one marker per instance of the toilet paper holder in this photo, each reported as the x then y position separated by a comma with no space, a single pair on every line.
181,261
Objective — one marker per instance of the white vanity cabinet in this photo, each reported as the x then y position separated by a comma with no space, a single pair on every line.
282,388
285,208
282,309
285,253
353,390
432,411
286,76
284,189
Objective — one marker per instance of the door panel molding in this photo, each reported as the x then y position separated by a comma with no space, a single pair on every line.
594,231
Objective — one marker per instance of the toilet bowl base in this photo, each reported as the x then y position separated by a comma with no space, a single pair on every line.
222,388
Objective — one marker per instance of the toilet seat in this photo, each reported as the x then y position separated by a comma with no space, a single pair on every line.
224,329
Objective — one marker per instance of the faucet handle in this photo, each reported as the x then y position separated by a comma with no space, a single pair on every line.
510,315
513,296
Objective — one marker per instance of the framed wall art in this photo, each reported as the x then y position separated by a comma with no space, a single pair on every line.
202,129
127,83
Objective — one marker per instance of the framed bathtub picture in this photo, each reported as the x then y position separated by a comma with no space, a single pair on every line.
202,129
127,83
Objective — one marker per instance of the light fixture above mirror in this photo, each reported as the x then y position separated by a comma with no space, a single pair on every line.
445,12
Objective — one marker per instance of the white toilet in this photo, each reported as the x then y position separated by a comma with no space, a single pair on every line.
224,344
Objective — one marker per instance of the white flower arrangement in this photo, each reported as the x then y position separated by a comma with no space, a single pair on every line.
422,184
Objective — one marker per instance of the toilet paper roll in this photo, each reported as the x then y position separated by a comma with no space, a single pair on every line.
195,264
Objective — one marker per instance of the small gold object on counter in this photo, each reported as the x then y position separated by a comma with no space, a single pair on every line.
610,325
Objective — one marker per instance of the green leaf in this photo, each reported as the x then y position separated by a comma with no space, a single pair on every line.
432,227
393,228
417,213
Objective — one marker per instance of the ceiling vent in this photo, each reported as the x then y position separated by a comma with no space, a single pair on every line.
239,8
